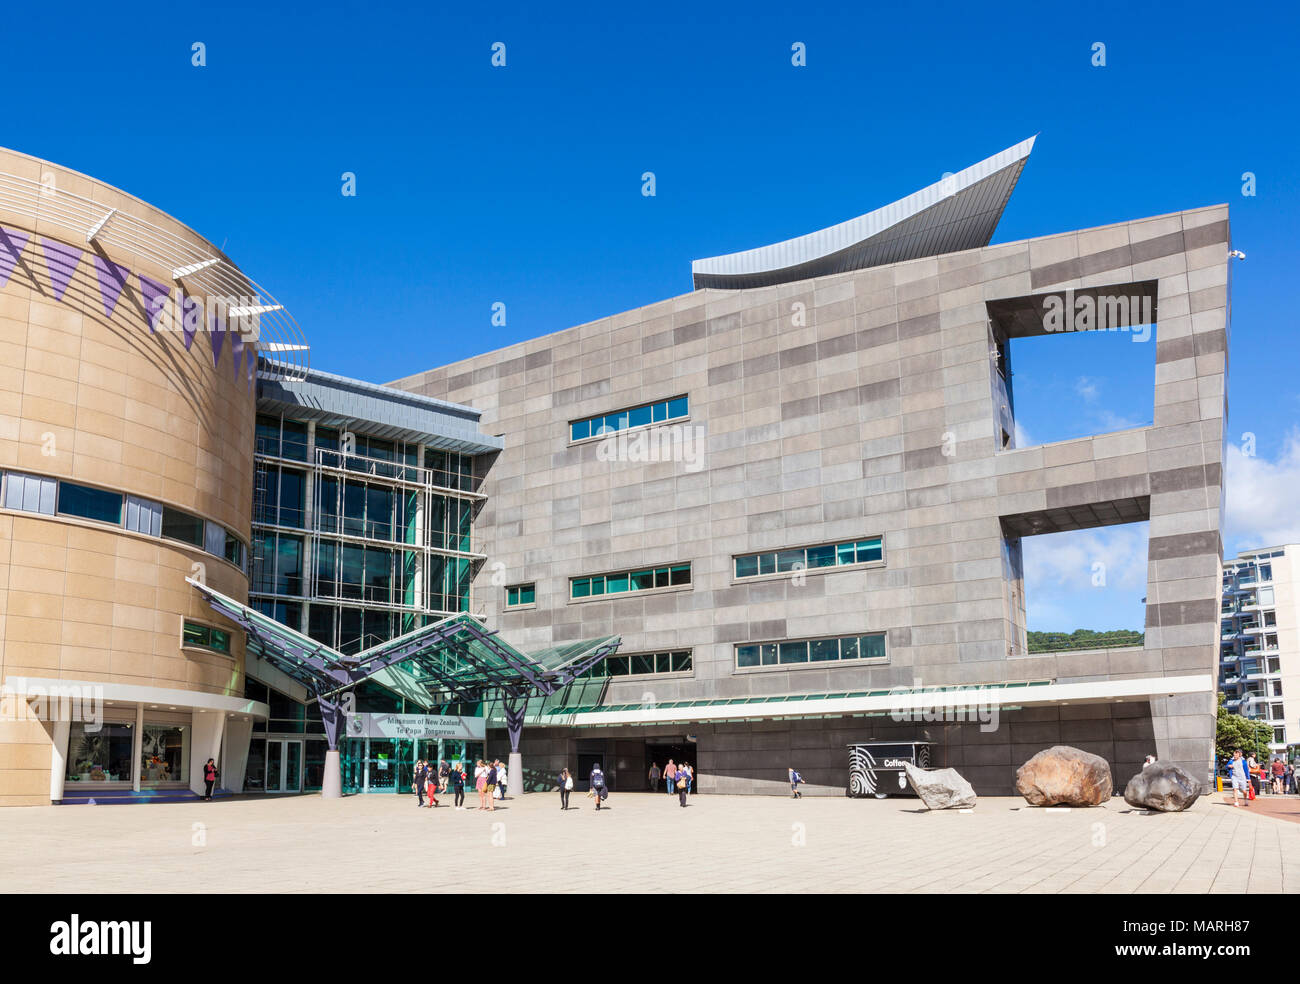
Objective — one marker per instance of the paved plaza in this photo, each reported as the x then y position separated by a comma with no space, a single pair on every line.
719,843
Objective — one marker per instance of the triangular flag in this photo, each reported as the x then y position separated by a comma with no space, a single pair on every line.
60,262
112,281
11,244
191,315
250,366
217,334
156,296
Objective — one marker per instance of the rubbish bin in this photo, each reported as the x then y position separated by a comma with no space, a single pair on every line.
876,768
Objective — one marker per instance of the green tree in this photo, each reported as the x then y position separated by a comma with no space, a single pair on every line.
1234,731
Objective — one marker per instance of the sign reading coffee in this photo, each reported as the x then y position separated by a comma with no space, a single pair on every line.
409,727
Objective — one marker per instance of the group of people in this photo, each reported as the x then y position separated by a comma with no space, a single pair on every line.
489,778
677,779
1250,778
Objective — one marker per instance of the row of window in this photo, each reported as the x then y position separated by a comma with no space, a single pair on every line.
359,573
283,438
52,496
521,594
206,637
868,647
866,551
641,416
357,508
625,581
641,664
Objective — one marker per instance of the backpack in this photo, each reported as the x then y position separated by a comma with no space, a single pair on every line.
796,778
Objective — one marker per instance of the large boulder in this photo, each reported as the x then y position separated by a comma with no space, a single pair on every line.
1062,775
941,789
1162,787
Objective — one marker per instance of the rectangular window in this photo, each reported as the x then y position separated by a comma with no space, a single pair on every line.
642,664
214,539
642,415
30,493
808,651
206,637
622,582
868,551
177,525
88,503
143,516
521,594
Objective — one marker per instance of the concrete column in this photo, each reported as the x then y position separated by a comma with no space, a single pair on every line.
205,743
233,762
59,757
515,786
332,781
137,743
365,776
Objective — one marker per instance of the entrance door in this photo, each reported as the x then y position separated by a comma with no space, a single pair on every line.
659,752
283,765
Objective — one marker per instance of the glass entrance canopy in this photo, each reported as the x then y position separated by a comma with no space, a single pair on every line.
455,658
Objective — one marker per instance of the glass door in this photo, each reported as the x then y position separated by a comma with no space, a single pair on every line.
283,765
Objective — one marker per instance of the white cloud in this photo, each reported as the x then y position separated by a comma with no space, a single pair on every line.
1262,497
1086,388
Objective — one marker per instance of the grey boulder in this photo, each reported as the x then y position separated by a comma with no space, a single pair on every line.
941,789
1064,775
1166,788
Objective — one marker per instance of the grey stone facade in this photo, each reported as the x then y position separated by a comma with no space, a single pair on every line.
860,404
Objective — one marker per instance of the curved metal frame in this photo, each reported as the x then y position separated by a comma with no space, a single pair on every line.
281,344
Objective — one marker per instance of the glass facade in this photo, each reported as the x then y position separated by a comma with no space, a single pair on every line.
1249,655
102,755
870,550
664,411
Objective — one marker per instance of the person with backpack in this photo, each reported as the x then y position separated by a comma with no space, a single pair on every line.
566,787
597,782
795,780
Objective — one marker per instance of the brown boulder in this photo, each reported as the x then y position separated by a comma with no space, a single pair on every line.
1065,776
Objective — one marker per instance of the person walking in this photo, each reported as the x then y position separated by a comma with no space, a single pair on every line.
456,777
209,778
1279,772
492,787
417,785
431,784
444,776
503,778
1240,778
654,777
670,776
1252,772
690,778
683,784
566,787
598,784
480,784
795,780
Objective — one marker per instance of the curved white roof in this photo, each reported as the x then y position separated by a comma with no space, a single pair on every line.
959,212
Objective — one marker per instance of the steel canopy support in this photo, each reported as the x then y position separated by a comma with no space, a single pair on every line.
516,707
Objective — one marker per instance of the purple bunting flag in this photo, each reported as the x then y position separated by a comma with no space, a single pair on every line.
60,262
156,296
112,281
11,244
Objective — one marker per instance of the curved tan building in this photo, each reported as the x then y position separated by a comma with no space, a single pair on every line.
127,361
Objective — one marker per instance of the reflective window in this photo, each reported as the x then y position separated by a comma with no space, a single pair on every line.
871,550
844,648
641,664
177,525
521,594
639,416
30,493
206,637
88,503
102,754
622,582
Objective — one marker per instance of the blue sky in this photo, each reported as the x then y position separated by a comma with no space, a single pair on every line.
522,184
